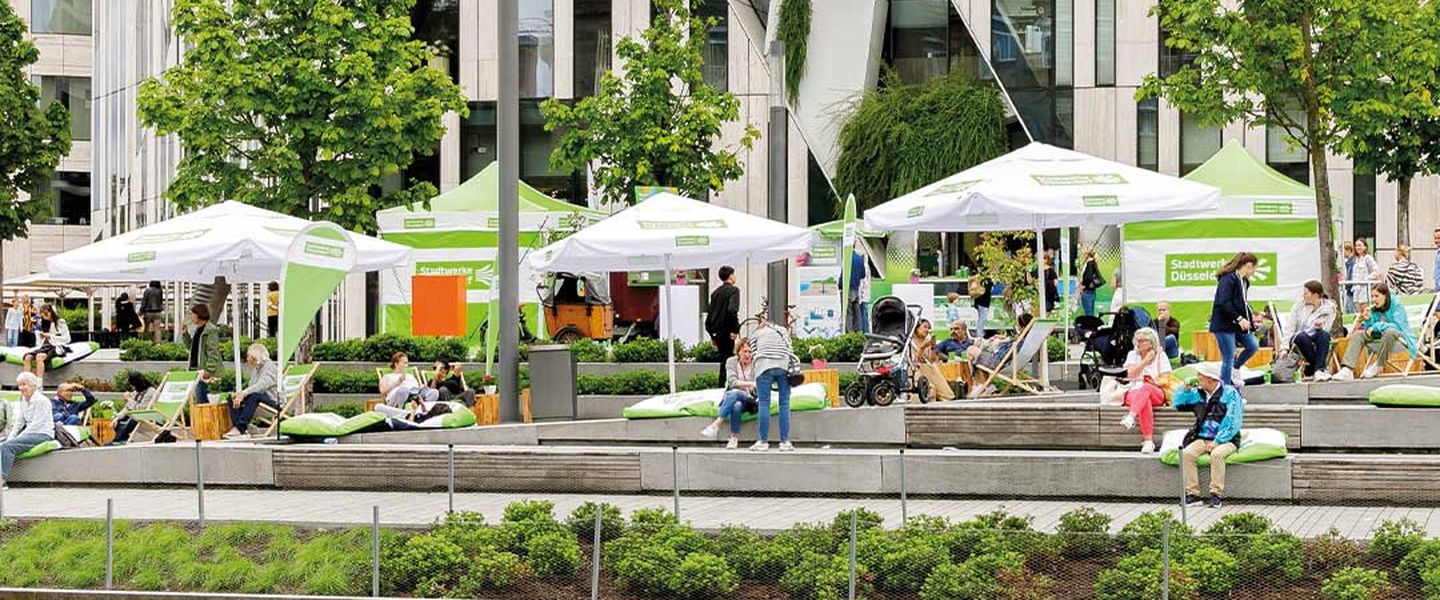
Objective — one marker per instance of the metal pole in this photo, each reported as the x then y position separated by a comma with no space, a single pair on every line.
778,286
507,138
1184,510
904,499
669,324
235,338
375,551
1043,365
451,490
595,555
675,477
1165,561
109,543
200,483
851,595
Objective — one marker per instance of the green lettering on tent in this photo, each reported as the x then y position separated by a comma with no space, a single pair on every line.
915,212
477,274
682,241
135,257
952,188
457,239
1273,208
163,238
701,224
1198,269
325,250
1213,229
1080,179
419,223
1101,201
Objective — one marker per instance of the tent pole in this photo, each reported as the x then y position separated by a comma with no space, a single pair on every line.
1040,306
235,338
669,324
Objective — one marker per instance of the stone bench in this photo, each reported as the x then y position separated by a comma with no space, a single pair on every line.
1398,479
1000,424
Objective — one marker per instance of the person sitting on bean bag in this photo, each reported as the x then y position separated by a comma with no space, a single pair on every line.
1219,414
64,409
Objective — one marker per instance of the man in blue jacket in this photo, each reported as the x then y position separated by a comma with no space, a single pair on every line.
1219,412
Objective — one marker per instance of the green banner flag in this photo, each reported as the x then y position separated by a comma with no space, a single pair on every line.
315,264
847,256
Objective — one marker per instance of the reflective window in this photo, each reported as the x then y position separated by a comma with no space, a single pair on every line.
1197,142
74,94
1172,59
1147,134
592,45
69,17
919,39
1283,155
717,43
1365,208
1032,43
1104,42
477,145
537,48
70,197
437,23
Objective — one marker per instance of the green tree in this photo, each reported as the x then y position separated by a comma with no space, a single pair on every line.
1392,117
657,123
32,138
299,106
1008,258
1280,63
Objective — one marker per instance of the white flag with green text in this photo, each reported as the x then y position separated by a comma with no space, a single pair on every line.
317,261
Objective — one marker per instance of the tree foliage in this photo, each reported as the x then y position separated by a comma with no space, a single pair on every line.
1008,258
901,137
657,123
1282,63
293,104
32,138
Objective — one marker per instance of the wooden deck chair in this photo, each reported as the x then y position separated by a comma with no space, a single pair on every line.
297,379
1010,371
168,413
1427,343
381,372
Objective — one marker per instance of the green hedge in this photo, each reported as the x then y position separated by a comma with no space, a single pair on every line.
137,349
379,348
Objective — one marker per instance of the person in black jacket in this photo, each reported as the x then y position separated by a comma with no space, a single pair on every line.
126,321
1230,318
723,320
152,305
1090,280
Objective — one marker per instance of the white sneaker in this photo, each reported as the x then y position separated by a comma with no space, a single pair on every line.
1371,371
710,431
1128,421
1148,447
760,447
1344,374
732,444
786,447
1322,375
234,434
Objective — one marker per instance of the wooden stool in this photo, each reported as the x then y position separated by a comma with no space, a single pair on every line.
1263,357
371,404
487,409
102,431
956,371
830,378
210,421
1202,344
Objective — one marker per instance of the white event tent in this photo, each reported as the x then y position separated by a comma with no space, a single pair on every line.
242,243
1041,187
669,232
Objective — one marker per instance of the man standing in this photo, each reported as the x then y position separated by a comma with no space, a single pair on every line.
152,305
723,320
859,292
1219,414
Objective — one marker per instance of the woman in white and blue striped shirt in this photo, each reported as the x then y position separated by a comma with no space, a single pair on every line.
773,357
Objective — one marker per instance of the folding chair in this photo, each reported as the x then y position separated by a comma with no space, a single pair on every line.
295,382
177,389
415,372
1031,342
1428,343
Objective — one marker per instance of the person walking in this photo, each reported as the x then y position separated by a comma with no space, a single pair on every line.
739,397
1313,316
204,343
1404,276
1090,281
126,319
773,357
859,290
1147,368
723,320
152,305
34,425
1378,327
1230,318
1219,414
981,291
29,318
1366,271
272,308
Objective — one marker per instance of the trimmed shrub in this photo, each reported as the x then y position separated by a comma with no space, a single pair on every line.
553,554
1430,583
1212,569
426,565
380,347
1232,532
705,352
705,380
1353,583
489,569
1083,532
1395,539
704,575
974,579
1138,577
121,381
330,380
137,349
742,548
647,568
590,351
582,521
817,577
1332,551
345,409
1024,584
529,510
629,383
1145,532
645,350
1423,559
865,520
650,518
908,564
1272,555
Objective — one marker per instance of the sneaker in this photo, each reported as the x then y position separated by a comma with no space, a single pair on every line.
1128,421
1192,500
1321,376
235,434
1148,447
1344,374
760,447
732,444
710,431
786,447
1214,501
1371,371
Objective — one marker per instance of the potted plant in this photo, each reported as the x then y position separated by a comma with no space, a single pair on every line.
819,356
487,381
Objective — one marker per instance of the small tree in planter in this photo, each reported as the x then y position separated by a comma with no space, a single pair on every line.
819,356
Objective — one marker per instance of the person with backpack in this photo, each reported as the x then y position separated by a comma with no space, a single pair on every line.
1090,281
723,320
152,305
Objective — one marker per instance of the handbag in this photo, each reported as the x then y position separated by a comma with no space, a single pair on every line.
1112,392
794,375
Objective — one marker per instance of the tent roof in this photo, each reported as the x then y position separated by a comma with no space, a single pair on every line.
481,193
1238,173
834,230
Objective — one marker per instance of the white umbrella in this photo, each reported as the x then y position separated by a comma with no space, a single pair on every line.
668,232
242,243
1041,187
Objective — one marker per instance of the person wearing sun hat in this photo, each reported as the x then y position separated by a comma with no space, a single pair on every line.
1219,413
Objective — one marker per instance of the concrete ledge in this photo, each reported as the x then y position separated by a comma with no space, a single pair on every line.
225,464
412,467
1398,479
1370,427
1002,424
800,472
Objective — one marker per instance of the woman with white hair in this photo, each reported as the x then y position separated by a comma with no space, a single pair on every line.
34,426
263,388
1147,368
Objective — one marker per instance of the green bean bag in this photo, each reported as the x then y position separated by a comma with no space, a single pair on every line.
706,403
459,416
1405,394
1261,443
82,434
15,355
326,425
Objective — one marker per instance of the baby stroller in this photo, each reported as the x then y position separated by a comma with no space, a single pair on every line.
1106,347
887,367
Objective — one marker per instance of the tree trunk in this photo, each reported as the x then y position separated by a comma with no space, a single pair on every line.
1316,140
1402,212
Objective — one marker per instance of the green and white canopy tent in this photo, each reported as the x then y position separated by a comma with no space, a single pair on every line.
459,235
1261,211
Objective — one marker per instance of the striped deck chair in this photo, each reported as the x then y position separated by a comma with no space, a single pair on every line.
294,384
168,413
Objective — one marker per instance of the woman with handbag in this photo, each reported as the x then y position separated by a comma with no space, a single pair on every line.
773,361
1090,280
739,395
1148,370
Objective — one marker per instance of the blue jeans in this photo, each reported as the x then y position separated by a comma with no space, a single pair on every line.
241,416
12,449
1227,342
1314,345
202,392
775,377
1087,303
982,315
732,406
12,337
1172,346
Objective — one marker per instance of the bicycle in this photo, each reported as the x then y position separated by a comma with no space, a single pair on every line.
751,324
